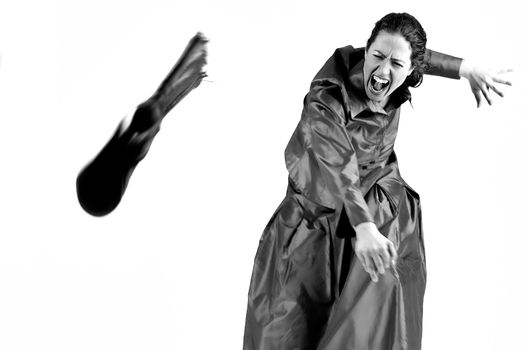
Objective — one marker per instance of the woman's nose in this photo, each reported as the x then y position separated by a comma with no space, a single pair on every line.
384,68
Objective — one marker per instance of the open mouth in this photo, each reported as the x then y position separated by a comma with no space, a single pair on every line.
378,84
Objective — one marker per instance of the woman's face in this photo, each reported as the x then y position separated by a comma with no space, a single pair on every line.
387,65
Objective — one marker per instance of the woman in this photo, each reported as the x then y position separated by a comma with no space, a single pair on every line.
102,183
341,264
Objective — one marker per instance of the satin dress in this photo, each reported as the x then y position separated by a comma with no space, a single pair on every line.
308,290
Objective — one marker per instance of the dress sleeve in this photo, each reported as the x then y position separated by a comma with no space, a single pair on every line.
320,156
442,65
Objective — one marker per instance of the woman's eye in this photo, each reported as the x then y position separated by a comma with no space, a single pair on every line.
398,64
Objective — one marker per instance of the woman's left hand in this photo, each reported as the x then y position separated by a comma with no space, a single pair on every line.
482,80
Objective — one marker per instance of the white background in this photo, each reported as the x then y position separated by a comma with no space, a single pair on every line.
170,268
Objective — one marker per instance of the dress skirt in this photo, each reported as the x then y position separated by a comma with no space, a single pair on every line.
309,291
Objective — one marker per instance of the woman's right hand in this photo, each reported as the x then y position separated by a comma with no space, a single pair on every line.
483,80
375,252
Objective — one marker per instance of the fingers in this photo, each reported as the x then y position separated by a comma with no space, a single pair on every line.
369,267
482,81
367,264
386,258
502,81
486,94
373,276
496,90
393,253
378,261
362,260
477,96
376,253
375,263
495,76
505,70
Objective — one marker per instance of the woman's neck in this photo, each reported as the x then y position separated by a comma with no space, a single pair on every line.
377,105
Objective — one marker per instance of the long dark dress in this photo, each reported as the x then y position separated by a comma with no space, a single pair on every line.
308,291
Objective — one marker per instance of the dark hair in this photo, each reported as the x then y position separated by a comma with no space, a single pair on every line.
409,27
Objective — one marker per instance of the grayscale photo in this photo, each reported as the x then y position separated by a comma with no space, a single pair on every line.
278,175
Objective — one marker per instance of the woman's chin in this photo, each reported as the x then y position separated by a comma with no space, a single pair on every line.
375,97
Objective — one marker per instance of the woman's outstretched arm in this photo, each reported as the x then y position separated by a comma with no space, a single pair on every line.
481,80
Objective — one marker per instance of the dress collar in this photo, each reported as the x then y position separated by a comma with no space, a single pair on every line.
357,96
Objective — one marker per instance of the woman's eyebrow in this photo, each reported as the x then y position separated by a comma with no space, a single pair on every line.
399,60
